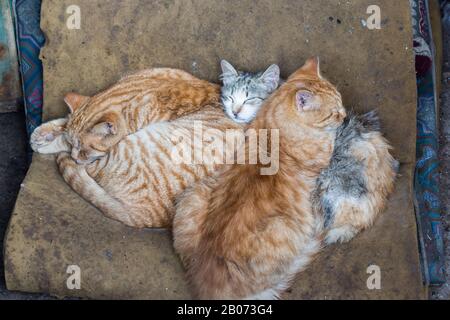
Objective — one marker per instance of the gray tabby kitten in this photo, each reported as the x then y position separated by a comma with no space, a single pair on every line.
353,189
243,92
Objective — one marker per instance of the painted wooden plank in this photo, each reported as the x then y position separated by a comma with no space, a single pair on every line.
10,89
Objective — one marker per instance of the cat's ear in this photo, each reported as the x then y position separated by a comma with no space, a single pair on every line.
229,73
107,125
306,101
104,128
310,68
271,77
75,100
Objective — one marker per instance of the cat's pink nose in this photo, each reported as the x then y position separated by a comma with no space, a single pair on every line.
237,111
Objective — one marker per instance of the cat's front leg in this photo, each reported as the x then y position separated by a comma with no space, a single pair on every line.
82,183
49,137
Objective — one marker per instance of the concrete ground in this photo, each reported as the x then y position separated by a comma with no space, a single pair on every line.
13,167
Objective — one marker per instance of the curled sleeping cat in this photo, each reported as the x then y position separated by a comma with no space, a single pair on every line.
125,172
139,99
241,234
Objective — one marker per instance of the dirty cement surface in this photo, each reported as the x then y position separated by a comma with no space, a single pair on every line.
13,167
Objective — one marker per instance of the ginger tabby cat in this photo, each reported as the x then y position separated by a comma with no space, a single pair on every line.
97,123
241,234
121,143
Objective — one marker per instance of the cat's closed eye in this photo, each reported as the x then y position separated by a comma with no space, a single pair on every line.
243,93
254,100
229,98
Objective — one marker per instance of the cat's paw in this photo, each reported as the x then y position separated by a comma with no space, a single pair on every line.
69,169
340,234
44,138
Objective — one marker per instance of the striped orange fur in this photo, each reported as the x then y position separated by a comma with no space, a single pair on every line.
135,101
120,143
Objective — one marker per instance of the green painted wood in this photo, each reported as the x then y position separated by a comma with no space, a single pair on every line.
10,90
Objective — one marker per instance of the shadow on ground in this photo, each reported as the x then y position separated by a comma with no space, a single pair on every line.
13,167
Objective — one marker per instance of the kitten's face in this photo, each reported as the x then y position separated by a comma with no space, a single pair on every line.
244,93
91,134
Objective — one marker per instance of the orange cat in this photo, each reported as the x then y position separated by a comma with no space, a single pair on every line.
129,174
241,234
97,123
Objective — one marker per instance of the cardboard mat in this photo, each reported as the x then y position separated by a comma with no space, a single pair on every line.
53,228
